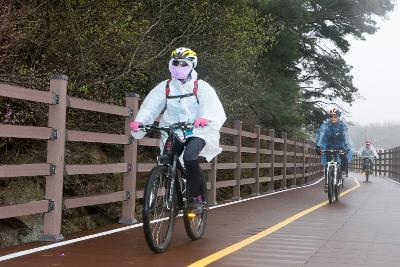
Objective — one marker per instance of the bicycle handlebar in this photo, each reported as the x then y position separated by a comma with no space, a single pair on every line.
178,125
340,151
369,157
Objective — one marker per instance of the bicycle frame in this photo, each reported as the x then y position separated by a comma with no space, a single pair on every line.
173,197
173,148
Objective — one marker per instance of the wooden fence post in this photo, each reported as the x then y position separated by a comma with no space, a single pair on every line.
394,163
391,163
130,157
284,171
212,178
387,158
357,164
398,162
351,163
357,167
295,163
304,161
238,158
360,164
384,162
311,162
271,185
257,143
55,157
388,163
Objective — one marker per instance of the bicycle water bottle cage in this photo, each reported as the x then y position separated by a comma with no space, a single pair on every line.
168,151
172,147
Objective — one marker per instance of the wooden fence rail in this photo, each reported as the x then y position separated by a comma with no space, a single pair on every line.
276,164
387,163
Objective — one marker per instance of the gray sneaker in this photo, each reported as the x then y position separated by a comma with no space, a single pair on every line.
196,206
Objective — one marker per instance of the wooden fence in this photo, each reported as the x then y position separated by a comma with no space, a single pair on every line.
276,164
387,163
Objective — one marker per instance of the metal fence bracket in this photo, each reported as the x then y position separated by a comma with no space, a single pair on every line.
56,99
51,206
54,134
52,169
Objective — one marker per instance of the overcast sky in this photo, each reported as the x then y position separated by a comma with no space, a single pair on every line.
376,71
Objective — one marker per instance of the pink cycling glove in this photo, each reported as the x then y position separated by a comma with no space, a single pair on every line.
200,122
135,125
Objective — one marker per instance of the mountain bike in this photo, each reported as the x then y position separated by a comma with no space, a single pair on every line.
165,192
334,173
368,168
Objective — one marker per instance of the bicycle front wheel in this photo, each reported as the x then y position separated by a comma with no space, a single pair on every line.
196,225
331,173
159,209
337,185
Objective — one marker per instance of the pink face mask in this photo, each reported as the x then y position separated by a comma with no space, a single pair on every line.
180,73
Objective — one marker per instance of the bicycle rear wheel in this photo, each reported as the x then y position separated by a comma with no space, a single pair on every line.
331,196
196,225
159,209
367,174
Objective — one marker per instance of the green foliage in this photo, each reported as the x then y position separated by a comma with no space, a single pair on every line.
309,51
249,50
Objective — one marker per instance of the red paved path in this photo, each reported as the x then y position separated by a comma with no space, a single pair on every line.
360,230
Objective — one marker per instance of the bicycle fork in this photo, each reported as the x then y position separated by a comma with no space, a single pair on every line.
335,169
172,184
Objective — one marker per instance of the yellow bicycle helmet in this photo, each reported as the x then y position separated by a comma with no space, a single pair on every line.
185,53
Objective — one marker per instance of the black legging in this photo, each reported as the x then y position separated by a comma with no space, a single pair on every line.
364,164
194,173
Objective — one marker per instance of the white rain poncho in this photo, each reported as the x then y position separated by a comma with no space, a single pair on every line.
186,109
368,152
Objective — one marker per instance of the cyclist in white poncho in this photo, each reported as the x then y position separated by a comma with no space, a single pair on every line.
366,152
186,99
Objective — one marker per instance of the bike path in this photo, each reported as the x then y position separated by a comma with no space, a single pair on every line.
359,230
302,242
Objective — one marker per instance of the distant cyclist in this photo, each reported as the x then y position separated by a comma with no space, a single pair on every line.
184,98
367,151
334,134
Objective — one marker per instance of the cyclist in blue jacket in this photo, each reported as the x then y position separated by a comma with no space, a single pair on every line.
334,134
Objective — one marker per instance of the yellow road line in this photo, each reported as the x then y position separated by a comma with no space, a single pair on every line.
235,247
